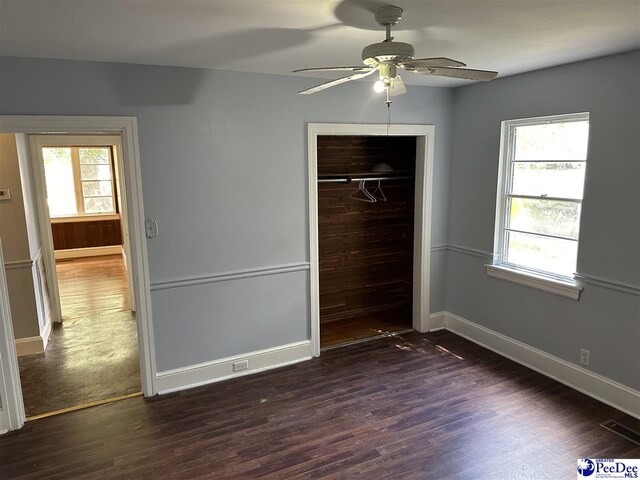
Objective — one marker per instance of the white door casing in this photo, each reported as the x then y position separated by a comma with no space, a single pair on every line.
126,129
12,407
39,141
425,136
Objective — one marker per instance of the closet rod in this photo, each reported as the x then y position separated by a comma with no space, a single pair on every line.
357,179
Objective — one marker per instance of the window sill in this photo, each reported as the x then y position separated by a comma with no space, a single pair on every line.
557,287
86,218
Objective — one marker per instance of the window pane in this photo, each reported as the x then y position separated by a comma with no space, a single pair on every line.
554,179
58,171
542,253
95,172
96,189
553,141
98,205
551,217
99,155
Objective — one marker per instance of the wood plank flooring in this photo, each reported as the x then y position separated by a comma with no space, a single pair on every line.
347,330
419,406
92,286
93,354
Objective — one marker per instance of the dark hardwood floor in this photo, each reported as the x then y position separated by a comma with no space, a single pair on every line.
418,406
93,354
87,359
350,329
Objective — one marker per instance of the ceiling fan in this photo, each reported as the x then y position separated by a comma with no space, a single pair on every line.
387,56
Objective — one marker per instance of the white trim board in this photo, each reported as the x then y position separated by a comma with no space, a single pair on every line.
425,155
592,384
12,414
88,252
556,287
581,278
18,264
231,275
219,370
29,346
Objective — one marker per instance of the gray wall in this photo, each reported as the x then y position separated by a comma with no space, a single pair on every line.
604,321
14,234
13,225
224,174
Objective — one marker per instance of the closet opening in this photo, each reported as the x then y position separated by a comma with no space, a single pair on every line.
366,191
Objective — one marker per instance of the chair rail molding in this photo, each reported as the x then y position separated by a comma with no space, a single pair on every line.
230,275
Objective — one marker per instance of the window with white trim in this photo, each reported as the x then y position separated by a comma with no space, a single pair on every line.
79,180
542,168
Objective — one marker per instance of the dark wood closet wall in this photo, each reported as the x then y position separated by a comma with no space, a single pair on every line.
365,249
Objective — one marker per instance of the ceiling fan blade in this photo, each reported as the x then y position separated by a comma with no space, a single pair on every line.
397,87
333,83
464,73
362,68
431,62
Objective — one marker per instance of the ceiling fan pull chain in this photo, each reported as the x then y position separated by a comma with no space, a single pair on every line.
388,102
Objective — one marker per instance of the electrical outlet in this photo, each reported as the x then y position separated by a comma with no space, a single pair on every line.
243,365
585,357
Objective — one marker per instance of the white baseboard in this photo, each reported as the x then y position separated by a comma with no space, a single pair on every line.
29,346
437,321
88,252
596,386
218,370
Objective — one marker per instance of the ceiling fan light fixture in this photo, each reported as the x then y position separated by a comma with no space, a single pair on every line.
379,86
387,56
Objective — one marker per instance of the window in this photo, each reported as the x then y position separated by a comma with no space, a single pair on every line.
79,181
540,194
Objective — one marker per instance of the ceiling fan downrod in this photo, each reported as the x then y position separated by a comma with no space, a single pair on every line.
386,17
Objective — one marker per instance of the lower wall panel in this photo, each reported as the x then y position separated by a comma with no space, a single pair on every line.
22,299
205,322
95,233
218,370
597,386
604,321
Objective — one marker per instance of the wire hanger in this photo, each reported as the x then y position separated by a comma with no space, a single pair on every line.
381,194
362,189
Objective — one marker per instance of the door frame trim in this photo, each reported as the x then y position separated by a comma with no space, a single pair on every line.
127,129
425,137
36,142
12,414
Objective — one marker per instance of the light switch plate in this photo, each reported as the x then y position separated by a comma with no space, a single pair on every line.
5,194
151,228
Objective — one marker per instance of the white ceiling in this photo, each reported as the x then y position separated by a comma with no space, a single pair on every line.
277,36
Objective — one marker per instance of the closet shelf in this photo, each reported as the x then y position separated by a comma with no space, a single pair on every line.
368,176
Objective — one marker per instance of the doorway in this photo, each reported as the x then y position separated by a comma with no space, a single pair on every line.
126,165
91,354
365,236
354,295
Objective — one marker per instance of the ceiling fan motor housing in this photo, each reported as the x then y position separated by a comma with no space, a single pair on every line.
385,51
387,15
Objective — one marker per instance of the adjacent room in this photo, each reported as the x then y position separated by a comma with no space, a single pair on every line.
85,352
344,239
